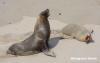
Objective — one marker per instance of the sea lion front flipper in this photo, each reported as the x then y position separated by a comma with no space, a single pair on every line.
49,53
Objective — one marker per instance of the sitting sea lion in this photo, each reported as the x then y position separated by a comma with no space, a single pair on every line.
78,32
38,41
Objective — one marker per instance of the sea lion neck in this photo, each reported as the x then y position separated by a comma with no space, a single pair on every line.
43,18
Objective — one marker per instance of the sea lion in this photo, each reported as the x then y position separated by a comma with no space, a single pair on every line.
38,41
78,32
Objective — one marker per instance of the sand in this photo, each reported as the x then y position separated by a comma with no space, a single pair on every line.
17,23
66,50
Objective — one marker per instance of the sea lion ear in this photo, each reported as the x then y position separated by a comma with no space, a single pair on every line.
45,13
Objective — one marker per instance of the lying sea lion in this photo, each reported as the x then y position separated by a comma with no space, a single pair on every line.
38,41
78,32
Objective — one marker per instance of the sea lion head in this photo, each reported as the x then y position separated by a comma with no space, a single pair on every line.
45,13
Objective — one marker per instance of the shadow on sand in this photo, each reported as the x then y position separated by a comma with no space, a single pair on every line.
54,41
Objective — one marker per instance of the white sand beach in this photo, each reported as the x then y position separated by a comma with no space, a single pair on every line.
18,17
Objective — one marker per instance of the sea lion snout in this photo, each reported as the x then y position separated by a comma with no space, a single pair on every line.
45,13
